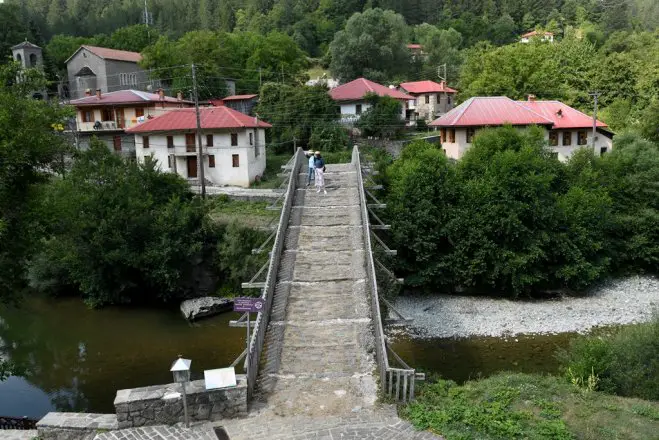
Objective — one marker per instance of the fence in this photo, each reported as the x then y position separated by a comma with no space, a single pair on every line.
261,324
394,382
22,423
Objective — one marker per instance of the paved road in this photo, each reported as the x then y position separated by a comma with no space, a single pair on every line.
18,434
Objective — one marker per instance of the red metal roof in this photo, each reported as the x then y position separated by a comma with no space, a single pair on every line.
534,33
238,97
426,87
355,90
110,54
563,115
186,119
494,110
414,46
124,97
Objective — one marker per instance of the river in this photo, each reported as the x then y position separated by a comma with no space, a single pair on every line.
75,358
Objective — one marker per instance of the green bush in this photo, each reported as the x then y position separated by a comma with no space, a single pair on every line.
626,363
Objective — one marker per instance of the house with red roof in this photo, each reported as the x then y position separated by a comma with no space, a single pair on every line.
108,115
431,99
542,36
233,144
241,103
350,97
566,129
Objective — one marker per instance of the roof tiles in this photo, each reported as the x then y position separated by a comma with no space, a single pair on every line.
123,97
186,119
356,89
427,87
113,54
494,110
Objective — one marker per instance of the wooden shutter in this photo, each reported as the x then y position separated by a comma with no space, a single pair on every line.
170,141
145,141
236,160
234,139
211,161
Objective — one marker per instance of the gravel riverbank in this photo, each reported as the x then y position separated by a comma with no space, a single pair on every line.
625,301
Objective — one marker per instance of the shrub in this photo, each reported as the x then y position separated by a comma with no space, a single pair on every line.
627,363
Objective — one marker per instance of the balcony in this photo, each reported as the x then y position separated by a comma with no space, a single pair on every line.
98,126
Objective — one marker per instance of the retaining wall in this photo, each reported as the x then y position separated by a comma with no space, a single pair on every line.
74,426
163,404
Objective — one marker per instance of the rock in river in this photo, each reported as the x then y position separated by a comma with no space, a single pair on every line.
205,306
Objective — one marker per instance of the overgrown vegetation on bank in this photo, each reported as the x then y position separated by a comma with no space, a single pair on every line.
511,406
510,219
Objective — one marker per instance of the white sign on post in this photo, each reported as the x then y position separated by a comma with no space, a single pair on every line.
220,378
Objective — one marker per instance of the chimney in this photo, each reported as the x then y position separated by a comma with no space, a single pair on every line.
88,92
531,98
179,95
98,93
559,113
161,92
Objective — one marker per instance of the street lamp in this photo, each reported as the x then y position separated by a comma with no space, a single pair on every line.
181,371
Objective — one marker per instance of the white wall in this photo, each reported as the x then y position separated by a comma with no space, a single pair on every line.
350,108
129,115
250,164
457,149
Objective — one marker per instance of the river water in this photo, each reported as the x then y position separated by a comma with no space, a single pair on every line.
74,358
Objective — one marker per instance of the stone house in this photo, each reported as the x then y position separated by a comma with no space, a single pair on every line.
350,97
233,144
566,129
108,115
242,103
431,99
542,36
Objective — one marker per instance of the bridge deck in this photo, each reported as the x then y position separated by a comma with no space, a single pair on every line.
319,342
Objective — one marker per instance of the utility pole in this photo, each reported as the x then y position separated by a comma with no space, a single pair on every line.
443,78
147,17
260,79
200,155
595,95
294,145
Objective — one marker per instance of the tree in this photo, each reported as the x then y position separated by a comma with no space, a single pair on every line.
372,45
139,240
328,137
295,112
31,151
503,31
383,117
13,28
133,38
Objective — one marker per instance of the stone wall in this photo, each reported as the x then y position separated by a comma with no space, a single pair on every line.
163,404
74,426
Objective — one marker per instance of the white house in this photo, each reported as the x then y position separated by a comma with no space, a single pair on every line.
566,129
542,36
233,144
350,97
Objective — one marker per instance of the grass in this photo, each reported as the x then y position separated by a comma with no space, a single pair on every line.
273,163
317,71
524,406
246,213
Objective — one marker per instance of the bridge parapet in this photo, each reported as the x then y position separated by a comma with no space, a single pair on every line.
394,382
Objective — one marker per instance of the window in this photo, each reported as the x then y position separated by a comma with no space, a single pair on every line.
236,160
251,138
169,161
358,109
567,138
427,99
582,137
18,57
553,138
139,111
170,141
234,139
438,98
145,141
443,133
33,60
87,116
448,99
117,143
106,114
209,140
211,161
603,151
451,135
128,79
470,135
190,143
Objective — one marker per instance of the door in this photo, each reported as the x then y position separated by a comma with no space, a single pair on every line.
121,122
190,142
117,143
192,167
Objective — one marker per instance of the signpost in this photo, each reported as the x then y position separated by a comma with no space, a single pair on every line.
248,305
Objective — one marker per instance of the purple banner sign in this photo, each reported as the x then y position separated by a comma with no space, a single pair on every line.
252,305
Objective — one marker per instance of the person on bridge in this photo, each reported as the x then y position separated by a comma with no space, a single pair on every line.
319,165
312,167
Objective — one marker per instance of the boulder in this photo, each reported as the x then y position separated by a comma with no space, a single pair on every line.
205,306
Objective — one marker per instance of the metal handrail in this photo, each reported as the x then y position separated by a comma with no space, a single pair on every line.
403,378
260,327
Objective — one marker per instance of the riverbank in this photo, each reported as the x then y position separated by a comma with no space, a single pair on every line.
625,301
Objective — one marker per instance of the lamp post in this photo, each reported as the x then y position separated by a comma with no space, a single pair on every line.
181,371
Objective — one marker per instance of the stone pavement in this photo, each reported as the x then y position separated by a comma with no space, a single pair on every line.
18,434
202,431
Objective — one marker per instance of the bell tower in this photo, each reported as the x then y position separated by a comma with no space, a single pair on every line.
31,57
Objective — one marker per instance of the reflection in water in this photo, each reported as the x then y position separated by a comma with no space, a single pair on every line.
79,357
464,359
